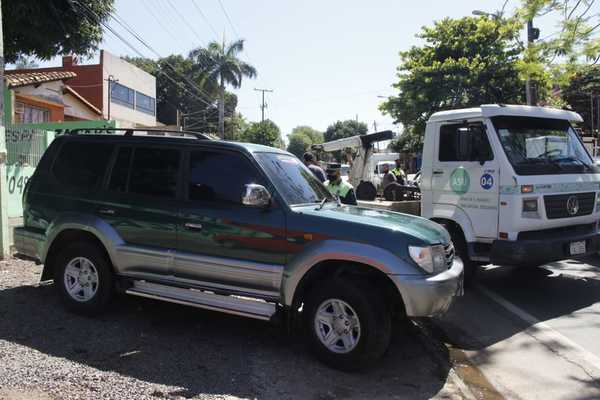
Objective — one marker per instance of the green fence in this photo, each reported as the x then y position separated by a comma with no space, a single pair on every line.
24,148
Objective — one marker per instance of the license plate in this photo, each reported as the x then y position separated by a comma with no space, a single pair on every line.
577,247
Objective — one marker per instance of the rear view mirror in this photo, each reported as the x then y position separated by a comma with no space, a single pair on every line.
256,196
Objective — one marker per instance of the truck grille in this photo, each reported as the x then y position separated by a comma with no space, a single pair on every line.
557,205
449,249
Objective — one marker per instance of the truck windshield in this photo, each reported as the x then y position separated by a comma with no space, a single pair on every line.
292,179
542,146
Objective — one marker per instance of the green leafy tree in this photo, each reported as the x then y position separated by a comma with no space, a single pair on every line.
174,93
344,129
221,65
44,29
408,142
578,94
463,62
266,133
301,138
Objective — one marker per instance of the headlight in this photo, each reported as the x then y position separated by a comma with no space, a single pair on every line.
530,205
432,258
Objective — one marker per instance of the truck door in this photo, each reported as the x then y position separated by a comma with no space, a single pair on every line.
465,175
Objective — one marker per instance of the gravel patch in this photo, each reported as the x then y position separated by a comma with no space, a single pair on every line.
143,349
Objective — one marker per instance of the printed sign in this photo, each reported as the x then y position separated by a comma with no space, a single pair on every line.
487,181
460,181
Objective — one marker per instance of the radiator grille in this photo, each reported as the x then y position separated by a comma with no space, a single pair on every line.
557,207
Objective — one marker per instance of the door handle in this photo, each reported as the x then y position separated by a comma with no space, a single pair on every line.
193,227
106,211
438,172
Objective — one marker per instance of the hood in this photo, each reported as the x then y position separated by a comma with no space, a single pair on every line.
393,222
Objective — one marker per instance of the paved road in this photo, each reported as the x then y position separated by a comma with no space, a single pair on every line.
535,333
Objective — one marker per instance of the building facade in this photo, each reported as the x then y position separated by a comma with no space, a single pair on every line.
130,102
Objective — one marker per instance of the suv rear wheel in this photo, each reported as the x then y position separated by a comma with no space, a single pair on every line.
348,324
84,278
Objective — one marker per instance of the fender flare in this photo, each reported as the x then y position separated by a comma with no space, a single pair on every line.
339,250
103,231
457,215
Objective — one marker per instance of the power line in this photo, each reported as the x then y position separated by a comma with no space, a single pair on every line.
228,19
91,13
205,19
164,27
185,21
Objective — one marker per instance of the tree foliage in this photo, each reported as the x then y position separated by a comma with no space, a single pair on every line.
344,129
174,93
44,29
301,138
266,133
221,65
463,62
584,86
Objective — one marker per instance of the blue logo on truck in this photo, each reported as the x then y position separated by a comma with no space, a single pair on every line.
487,181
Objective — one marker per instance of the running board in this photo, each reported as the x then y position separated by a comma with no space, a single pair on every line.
245,307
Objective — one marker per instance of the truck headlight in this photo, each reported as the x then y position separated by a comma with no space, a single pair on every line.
431,258
530,208
597,201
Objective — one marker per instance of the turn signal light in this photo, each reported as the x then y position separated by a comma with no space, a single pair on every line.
526,188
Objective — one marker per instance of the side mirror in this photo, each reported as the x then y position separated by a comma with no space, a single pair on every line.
256,196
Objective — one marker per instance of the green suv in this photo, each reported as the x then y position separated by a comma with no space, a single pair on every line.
232,227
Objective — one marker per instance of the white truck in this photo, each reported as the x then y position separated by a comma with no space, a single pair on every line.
514,185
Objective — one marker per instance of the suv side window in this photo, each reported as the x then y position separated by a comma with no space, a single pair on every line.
154,172
460,142
217,177
82,164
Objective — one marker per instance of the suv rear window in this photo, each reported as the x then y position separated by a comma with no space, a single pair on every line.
82,164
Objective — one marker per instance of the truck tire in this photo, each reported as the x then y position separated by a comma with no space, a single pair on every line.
366,191
84,278
348,324
461,251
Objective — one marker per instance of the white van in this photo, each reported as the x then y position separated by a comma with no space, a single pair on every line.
514,185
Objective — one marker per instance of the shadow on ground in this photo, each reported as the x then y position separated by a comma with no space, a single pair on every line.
202,352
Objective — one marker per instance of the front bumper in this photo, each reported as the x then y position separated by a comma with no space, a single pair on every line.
29,243
426,296
541,251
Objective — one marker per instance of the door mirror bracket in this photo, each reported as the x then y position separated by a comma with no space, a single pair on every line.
256,196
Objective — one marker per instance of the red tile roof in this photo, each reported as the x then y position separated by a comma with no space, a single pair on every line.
16,78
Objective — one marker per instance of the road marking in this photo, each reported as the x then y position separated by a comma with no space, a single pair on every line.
546,334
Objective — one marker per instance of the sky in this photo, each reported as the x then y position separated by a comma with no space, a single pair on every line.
325,60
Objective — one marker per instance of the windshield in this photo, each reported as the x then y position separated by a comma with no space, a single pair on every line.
295,182
542,146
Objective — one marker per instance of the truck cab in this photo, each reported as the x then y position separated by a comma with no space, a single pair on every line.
514,185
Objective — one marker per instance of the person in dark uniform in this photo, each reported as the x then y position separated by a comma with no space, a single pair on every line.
309,161
338,187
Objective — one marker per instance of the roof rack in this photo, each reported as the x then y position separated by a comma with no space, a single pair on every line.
132,131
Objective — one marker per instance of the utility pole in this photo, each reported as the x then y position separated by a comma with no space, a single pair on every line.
592,114
111,79
532,35
263,105
4,245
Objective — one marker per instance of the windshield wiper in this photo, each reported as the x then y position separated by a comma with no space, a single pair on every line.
322,203
569,158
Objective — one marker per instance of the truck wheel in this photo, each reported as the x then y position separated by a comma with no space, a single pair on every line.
348,325
470,267
84,278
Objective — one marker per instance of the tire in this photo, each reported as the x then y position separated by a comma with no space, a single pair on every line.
84,266
361,347
470,267
366,191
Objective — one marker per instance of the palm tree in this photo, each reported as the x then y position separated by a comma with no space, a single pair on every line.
221,65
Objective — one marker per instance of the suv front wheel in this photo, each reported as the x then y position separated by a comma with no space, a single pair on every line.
84,278
349,327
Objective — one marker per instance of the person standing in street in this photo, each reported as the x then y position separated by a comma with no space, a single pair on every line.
388,176
399,172
309,161
338,187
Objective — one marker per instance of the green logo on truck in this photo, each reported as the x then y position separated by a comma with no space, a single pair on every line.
460,181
